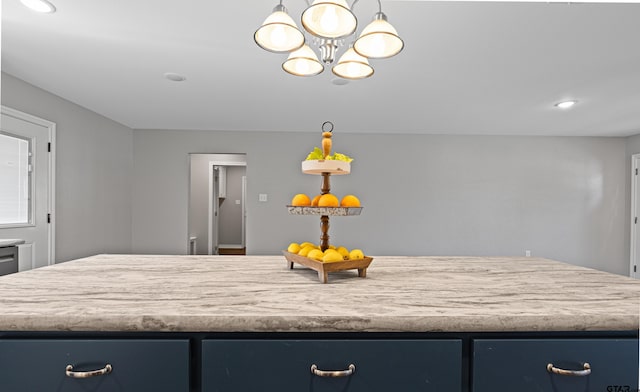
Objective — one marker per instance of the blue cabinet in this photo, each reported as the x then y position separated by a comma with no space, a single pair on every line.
358,365
196,362
528,365
69,365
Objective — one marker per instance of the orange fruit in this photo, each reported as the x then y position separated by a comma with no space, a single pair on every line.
314,202
350,201
328,200
301,200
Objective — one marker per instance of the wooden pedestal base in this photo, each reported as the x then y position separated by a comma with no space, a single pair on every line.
323,269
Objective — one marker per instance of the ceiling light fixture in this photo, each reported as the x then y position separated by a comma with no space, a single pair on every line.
352,66
565,104
303,62
330,23
175,77
39,6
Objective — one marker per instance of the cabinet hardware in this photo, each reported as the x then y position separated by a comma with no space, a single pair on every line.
333,373
585,372
93,373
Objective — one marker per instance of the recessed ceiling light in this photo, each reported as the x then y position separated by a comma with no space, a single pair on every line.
39,6
565,104
174,77
339,81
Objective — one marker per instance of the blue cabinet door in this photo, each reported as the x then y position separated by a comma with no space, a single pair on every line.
136,365
523,365
285,365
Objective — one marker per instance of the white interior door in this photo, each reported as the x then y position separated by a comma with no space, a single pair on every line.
26,184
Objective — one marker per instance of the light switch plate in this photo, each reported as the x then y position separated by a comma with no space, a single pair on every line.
262,197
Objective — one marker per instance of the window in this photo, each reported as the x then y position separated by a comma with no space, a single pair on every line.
15,180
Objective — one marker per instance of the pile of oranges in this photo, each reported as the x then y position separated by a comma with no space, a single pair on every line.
326,200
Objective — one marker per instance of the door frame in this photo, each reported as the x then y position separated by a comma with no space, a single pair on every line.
244,211
51,175
635,167
213,198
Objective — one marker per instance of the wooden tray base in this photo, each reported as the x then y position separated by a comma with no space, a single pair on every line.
323,269
326,167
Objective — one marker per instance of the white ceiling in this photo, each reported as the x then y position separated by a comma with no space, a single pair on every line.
467,67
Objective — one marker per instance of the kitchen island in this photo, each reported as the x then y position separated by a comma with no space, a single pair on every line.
227,310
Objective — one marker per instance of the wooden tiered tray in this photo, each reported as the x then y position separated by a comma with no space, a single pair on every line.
336,211
326,166
323,269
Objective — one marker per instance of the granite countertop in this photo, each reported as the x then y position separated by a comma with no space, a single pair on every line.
259,293
10,242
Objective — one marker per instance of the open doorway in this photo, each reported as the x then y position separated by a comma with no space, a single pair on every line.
217,204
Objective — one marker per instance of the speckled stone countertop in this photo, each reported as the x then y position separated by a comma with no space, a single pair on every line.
259,293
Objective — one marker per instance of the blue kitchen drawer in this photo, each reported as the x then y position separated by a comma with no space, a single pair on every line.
137,365
521,365
285,365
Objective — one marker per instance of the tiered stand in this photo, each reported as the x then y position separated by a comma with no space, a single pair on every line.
326,168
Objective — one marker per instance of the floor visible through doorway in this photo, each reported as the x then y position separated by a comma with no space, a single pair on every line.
232,251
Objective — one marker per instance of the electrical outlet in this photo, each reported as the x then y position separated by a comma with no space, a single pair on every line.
238,202
262,197
527,253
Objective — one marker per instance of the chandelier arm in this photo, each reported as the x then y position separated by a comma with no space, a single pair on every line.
355,1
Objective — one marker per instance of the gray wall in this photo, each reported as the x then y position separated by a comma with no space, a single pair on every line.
561,198
94,157
230,212
199,202
633,146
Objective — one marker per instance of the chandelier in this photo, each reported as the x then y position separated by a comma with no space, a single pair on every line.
330,23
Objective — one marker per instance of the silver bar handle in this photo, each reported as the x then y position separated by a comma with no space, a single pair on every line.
333,373
584,372
92,373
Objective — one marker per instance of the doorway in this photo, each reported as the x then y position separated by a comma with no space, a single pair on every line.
217,204
27,186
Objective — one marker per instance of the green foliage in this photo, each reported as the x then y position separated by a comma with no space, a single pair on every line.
317,155
341,157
